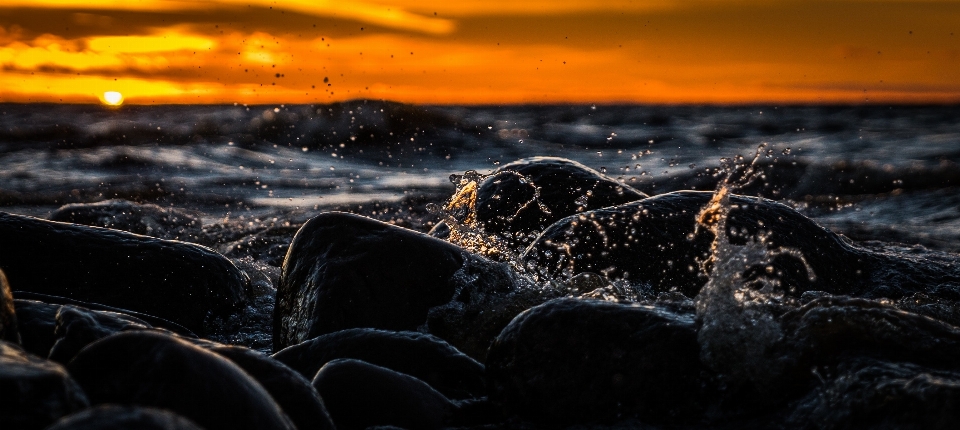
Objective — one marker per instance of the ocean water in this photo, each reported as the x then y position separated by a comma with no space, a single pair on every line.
884,173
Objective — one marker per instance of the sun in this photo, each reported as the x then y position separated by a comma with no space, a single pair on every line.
112,98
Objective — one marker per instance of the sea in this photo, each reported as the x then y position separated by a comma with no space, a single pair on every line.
887,173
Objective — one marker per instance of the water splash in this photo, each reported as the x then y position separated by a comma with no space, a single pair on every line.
459,214
740,331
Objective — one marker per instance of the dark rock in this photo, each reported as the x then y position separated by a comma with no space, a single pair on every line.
185,283
488,296
8,315
573,361
505,198
147,219
78,327
96,307
346,271
869,394
420,355
361,395
657,242
115,417
829,329
152,369
35,392
38,322
293,392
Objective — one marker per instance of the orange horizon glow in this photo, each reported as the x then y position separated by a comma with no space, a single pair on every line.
481,52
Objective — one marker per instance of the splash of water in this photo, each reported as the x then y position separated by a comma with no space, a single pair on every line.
459,213
740,331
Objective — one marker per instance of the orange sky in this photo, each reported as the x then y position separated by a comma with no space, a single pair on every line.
473,51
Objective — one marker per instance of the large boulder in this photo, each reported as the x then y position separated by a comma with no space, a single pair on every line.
346,271
185,283
505,199
420,355
115,417
361,395
572,361
157,370
35,392
657,242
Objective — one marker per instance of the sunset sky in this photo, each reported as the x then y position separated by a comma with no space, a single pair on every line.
473,51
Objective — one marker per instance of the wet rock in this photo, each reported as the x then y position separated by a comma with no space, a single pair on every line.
96,307
361,395
566,187
8,315
292,391
881,395
77,327
420,355
829,329
156,370
185,283
346,271
585,361
37,322
35,392
488,296
656,242
147,219
526,196
115,417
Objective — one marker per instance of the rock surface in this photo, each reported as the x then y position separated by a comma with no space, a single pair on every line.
38,322
360,395
656,242
114,417
185,283
35,392
293,392
563,188
147,219
78,327
420,355
573,361
157,370
346,271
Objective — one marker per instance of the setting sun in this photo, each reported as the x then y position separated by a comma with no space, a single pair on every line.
113,98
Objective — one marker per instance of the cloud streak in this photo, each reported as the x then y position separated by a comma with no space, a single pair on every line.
704,51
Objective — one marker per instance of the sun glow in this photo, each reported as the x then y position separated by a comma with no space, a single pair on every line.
112,98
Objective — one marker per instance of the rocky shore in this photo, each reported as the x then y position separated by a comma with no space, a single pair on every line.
543,295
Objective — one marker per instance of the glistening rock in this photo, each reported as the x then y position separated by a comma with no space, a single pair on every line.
185,283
